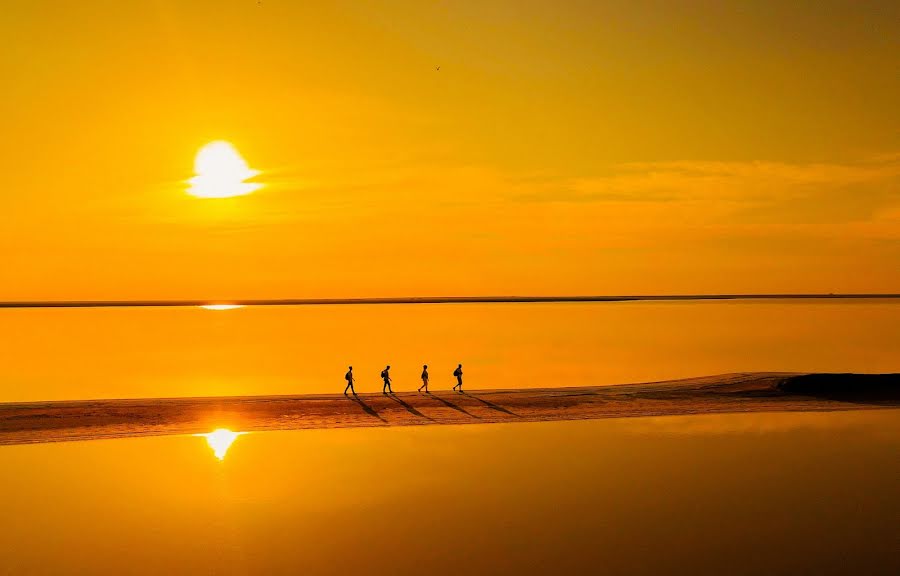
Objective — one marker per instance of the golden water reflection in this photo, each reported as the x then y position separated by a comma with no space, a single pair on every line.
299,350
792,493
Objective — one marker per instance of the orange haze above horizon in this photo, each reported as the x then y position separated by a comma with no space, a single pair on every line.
616,147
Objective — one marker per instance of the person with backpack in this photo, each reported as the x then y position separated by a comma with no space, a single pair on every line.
424,379
458,374
386,376
349,378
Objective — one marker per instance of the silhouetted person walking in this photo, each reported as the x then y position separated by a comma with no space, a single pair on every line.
458,374
386,376
349,378
424,379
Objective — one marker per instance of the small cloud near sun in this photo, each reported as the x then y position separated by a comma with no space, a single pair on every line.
221,172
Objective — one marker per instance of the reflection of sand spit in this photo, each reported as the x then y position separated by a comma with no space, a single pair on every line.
730,393
739,424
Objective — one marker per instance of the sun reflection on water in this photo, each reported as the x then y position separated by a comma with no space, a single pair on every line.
220,440
221,306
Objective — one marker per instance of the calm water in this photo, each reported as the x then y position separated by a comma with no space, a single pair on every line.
734,494
66,354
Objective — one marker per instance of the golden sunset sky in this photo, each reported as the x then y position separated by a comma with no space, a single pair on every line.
563,147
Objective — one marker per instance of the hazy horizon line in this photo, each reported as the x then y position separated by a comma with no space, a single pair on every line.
430,300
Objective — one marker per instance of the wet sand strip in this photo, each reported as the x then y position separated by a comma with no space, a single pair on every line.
35,422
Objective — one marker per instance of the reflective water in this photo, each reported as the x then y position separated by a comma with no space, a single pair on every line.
733,494
115,353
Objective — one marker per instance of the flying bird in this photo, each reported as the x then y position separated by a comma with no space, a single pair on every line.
438,69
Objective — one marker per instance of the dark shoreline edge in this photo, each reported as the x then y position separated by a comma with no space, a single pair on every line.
430,300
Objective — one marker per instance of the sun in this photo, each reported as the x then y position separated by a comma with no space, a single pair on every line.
221,172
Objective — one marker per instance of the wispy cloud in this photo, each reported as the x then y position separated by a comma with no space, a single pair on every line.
866,186
753,200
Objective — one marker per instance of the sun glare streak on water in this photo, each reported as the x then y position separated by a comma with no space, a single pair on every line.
221,306
220,440
221,172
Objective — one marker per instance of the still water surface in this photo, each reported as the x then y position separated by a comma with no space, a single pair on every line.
726,494
64,354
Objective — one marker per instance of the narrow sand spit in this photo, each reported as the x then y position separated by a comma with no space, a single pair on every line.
22,423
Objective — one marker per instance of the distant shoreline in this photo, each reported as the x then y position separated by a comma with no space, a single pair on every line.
39,422
430,300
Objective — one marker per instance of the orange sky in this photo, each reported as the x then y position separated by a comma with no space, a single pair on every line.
563,147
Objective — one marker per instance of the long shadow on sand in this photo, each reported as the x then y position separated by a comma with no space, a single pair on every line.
409,408
452,405
491,405
368,409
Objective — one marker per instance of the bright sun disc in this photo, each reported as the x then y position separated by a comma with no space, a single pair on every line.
221,173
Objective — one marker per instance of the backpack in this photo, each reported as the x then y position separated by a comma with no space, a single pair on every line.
347,376
384,373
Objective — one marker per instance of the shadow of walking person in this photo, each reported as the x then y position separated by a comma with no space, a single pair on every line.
366,408
491,405
452,405
409,408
